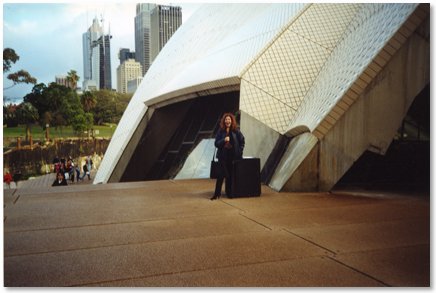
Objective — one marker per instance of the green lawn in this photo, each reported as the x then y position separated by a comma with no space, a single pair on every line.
105,131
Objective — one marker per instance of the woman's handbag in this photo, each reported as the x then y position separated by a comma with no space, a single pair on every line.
215,167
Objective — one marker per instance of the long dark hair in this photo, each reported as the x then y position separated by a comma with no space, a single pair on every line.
234,123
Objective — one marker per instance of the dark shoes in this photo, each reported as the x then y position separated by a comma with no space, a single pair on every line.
215,197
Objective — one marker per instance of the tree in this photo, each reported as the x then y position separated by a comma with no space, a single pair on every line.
89,120
46,118
72,79
9,58
81,122
57,105
21,76
78,123
88,101
27,114
38,100
110,106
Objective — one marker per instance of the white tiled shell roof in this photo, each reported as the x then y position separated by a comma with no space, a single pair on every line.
293,62
210,50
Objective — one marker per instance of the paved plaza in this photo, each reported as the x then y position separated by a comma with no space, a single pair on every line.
168,233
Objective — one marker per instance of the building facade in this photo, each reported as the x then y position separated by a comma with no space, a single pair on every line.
316,86
96,58
132,85
128,70
62,80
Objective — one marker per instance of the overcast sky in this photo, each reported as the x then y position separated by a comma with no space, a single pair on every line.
48,36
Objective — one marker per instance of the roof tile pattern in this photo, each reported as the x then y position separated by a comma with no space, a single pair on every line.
315,60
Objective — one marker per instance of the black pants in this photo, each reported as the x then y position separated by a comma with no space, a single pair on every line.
226,167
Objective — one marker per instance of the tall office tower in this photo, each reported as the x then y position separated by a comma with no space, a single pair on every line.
96,58
105,62
142,34
164,20
125,54
154,25
128,70
93,33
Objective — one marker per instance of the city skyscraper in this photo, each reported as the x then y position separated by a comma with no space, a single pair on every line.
126,71
142,34
125,54
96,58
154,25
104,44
165,20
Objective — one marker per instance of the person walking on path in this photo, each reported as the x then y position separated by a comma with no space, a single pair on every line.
230,143
89,164
86,172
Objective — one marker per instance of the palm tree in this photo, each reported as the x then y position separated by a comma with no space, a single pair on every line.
88,101
72,78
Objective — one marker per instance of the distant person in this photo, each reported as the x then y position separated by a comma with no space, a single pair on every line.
77,168
89,164
67,169
17,176
71,169
60,180
56,165
62,165
7,178
230,143
86,172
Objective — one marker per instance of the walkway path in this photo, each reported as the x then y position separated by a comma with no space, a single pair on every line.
168,233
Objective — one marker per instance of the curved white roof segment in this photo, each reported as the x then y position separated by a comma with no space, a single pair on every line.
369,31
216,45
297,80
209,51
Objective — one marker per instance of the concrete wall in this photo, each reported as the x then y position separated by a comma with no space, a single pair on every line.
371,123
289,168
259,138
306,176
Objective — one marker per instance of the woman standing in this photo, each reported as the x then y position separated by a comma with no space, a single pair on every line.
230,143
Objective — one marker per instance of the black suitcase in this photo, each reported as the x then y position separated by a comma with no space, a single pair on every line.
246,178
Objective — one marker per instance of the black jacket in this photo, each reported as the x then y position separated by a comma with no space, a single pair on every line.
57,183
238,143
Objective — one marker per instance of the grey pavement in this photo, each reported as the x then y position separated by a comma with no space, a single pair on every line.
44,181
169,234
